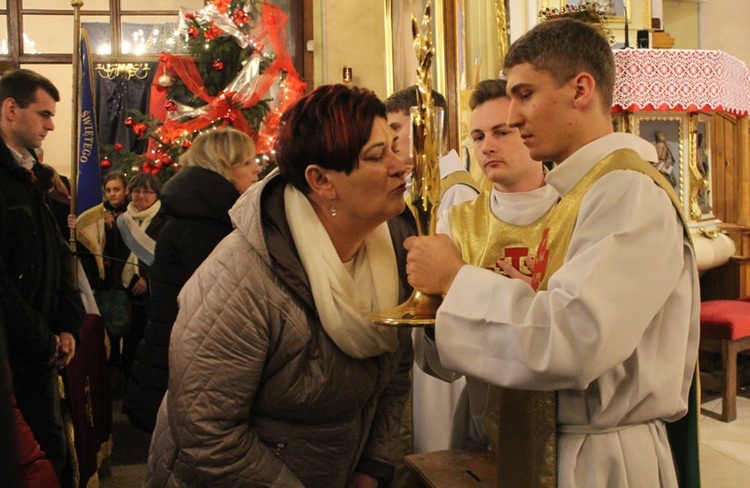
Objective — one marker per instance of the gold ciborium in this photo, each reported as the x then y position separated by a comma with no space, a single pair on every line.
426,131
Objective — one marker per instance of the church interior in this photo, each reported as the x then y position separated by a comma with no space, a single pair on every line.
682,84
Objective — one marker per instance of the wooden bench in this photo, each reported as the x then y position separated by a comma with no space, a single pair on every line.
454,468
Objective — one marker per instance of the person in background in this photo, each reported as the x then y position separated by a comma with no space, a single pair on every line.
276,376
97,231
103,254
607,336
456,184
486,231
139,227
41,306
218,167
427,425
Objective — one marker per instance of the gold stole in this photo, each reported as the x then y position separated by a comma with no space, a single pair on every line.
527,420
562,217
521,424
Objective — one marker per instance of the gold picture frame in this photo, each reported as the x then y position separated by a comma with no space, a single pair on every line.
701,167
668,133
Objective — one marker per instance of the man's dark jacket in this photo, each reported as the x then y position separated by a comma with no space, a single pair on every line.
39,299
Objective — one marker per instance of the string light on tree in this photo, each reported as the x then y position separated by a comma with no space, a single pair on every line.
238,74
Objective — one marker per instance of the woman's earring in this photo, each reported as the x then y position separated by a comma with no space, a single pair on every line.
333,210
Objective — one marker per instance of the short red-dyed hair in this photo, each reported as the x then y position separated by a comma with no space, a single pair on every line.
329,127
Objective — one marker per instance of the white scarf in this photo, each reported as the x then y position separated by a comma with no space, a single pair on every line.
345,300
143,218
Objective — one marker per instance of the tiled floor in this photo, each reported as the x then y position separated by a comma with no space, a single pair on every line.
725,447
724,452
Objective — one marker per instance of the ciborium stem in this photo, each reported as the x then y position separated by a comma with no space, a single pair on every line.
426,123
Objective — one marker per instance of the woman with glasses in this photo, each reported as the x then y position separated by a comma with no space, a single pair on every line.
139,226
276,376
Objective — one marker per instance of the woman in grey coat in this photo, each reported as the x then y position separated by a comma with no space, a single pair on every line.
276,376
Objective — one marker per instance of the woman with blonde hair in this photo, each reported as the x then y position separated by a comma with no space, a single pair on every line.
218,167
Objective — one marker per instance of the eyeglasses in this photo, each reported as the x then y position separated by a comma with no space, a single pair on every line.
139,192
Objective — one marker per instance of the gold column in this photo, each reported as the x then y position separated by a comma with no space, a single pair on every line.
502,30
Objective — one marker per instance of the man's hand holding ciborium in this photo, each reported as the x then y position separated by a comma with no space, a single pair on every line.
426,131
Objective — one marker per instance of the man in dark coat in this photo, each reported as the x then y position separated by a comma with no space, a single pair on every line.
40,303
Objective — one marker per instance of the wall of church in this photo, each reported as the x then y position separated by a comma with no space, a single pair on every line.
724,27
681,22
351,34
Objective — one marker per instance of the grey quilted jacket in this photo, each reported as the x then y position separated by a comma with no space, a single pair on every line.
259,395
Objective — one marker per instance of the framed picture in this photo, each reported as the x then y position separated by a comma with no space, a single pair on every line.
666,133
703,164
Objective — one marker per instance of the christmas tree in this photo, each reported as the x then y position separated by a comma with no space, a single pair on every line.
238,73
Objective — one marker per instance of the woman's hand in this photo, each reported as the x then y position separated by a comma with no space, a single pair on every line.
72,221
361,480
140,287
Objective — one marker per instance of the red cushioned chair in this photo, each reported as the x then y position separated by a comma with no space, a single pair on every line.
725,330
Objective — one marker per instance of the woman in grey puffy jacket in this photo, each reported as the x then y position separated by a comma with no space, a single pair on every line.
276,377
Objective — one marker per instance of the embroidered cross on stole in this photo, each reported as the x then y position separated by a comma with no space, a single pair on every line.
521,424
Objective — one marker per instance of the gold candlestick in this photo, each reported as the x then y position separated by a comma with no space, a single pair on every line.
420,309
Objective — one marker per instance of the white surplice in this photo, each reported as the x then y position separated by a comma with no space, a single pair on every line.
615,334
433,400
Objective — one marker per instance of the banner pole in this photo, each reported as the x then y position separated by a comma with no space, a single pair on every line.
75,114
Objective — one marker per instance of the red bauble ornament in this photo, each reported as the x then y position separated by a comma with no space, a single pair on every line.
193,32
117,147
190,15
212,32
129,122
139,129
218,65
170,106
187,143
240,17
259,48
166,160
105,163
